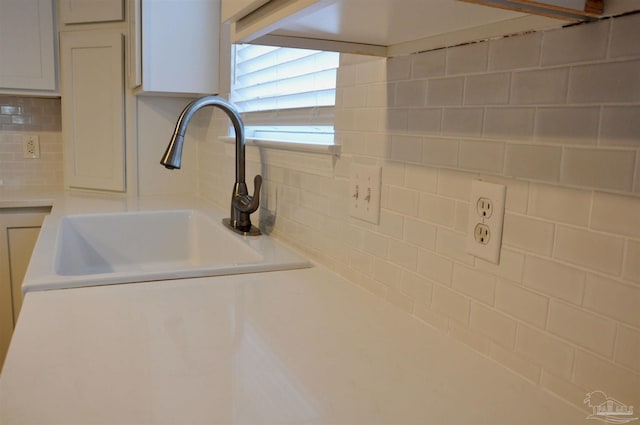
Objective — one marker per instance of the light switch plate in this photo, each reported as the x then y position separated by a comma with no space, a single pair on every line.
364,192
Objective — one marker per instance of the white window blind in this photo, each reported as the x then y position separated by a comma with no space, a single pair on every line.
285,94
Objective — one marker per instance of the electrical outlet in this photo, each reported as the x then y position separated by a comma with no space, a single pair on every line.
486,218
30,146
364,192
482,234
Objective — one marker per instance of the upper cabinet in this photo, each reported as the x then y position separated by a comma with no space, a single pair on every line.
88,11
93,109
27,47
392,27
173,46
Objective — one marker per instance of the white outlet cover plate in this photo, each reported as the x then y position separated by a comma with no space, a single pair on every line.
366,181
496,193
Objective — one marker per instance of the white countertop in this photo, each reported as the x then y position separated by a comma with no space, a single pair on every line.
301,346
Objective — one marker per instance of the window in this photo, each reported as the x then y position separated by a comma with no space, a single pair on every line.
285,94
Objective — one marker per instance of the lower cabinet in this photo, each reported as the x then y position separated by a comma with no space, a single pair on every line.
19,228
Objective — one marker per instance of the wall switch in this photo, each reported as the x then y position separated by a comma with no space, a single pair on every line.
364,192
486,218
31,146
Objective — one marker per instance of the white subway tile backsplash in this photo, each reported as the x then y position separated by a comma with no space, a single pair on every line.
579,43
632,261
450,303
521,303
420,233
406,148
566,390
588,330
399,68
403,254
435,267
546,86
462,121
454,184
487,89
515,52
403,201
533,162
397,120
375,244
546,350
424,120
515,362
437,209
563,299
600,168
627,350
380,95
416,287
481,156
453,245
513,124
593,83
354,97
428,64
567,125
411,93
616,214
613,299
421,178
620,126
592,250
439,151
445,91
554,279
510,267
391,224
528,234
500,328
594,372
476,284
560,204
467,59
625,32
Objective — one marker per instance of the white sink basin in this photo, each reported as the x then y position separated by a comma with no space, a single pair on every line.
98,249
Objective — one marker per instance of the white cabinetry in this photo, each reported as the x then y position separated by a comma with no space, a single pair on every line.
86,11
392,27
173,46
27,46
19,228
93,107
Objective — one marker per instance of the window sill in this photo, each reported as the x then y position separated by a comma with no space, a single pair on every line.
333,150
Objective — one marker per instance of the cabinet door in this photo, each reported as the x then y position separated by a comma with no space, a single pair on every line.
18,235
93,109
178,48
21,241
27,58
86,11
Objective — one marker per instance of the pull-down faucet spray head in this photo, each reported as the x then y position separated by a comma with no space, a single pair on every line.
172,158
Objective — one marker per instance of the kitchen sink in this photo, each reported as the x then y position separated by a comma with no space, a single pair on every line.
99,249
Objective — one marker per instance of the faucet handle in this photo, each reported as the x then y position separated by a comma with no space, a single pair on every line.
246,203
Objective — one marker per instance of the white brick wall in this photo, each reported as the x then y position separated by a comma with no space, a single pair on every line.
553,116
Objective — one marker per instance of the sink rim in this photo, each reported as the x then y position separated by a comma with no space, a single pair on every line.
42,276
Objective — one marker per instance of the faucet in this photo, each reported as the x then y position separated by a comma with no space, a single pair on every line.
242,204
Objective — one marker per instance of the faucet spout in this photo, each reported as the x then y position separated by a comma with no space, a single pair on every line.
242,204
